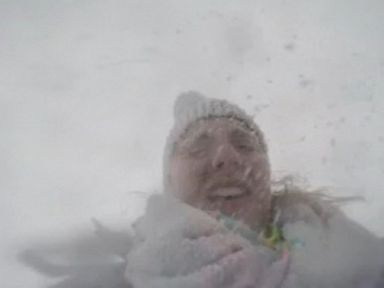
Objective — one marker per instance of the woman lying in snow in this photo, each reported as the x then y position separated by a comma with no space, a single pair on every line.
221,224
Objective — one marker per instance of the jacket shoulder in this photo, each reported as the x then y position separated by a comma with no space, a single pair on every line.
334,249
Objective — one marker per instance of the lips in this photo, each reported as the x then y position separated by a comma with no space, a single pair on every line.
228,192
229,200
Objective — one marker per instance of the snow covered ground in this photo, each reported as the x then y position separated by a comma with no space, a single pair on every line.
87,87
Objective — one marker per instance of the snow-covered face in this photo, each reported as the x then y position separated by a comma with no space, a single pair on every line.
218,165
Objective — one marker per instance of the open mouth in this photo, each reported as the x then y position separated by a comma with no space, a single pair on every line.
228,193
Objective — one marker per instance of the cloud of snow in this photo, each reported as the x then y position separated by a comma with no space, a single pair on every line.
87,87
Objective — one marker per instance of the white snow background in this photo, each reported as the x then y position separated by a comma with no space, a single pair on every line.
87,88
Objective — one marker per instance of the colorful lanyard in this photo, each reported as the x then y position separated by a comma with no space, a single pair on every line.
271,236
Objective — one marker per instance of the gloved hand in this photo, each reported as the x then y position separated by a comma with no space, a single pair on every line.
184,247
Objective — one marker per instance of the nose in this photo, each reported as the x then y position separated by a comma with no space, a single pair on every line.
225,157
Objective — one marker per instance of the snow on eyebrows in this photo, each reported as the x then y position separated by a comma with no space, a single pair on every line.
241,134
197,137
244,139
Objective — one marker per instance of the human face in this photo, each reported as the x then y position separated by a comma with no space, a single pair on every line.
219,165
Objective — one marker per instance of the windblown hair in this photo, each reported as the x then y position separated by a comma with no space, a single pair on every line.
287,193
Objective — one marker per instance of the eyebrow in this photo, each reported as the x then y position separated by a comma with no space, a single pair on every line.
195,138
242,134
200,136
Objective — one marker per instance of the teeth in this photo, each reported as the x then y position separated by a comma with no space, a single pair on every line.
228,192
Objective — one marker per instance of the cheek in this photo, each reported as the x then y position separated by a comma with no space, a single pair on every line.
185,178
261,170
179,174
260,180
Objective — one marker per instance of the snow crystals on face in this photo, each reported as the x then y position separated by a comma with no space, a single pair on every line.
247,171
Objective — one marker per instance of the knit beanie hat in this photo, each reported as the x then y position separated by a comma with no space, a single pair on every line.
192,106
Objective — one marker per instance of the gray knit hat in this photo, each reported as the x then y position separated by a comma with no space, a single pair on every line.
192,106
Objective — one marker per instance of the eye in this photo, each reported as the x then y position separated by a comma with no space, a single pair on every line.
245,147
243,142
197,151
199,146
